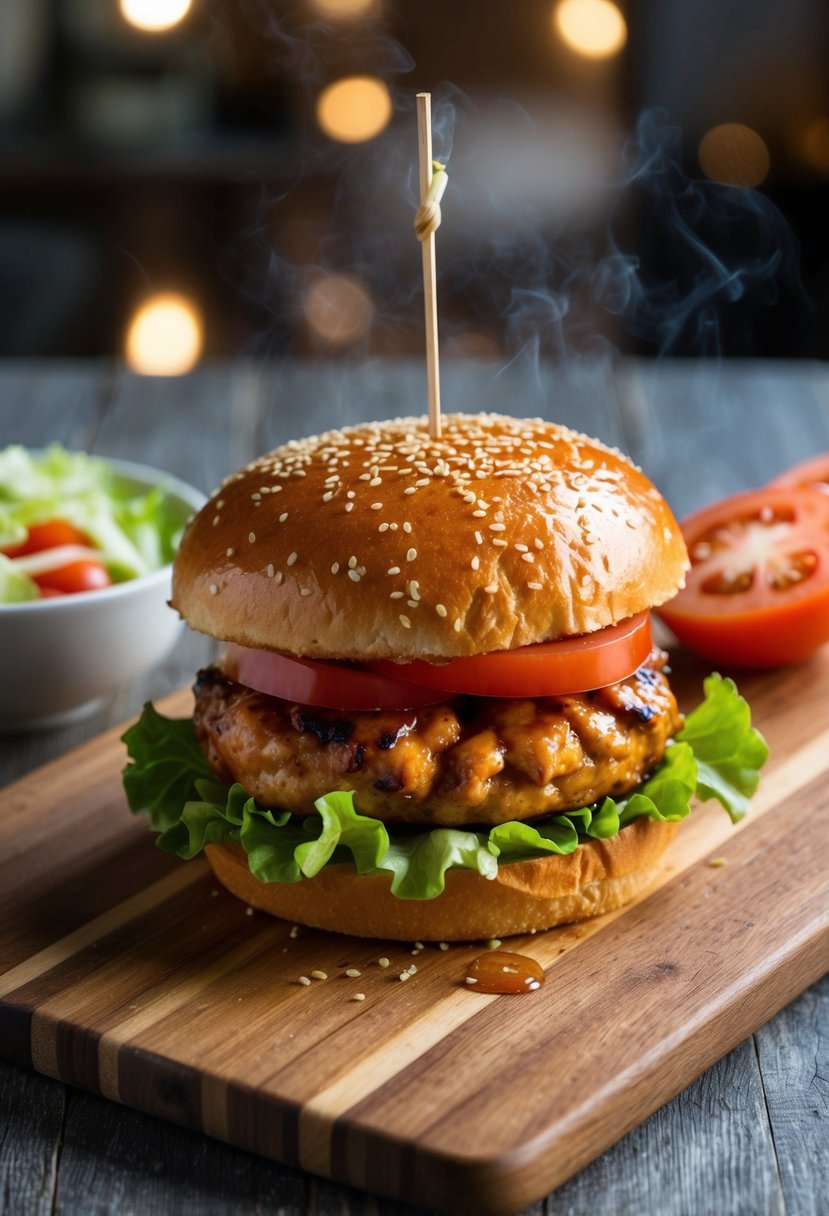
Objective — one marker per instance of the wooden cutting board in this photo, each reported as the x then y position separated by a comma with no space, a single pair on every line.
127,972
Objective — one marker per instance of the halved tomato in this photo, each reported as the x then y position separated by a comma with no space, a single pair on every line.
757,594
76,576
51,534
315,682
546,669
813,472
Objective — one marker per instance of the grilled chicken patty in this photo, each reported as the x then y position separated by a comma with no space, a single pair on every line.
466,761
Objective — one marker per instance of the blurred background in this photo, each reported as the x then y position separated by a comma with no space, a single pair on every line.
187,179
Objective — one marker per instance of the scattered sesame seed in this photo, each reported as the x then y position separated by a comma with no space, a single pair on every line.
397,595
410,490
214,590
354,576
278,577
413,969
249,911
535,586
304,591
359,996
423,481
407,527
229,552
335,569
383,528
405,622
440,609
539,544
412,603
499,544
352,562
303,979
353,973
351,494
479,540
328,496
479,514
283,517
470,979
497,527
457,624
411,554
319,975
252,537
270,569
527,557
491,588
381,962
294,931
291,559
404,975
443,945
377,506
376,481
349,506
215,520
522,548
393,570
475,563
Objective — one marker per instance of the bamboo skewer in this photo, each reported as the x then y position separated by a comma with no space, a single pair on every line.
427,220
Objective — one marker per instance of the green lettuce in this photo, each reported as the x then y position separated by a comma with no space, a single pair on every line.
718,754
136,531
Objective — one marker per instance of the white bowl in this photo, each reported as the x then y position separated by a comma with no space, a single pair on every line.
62,658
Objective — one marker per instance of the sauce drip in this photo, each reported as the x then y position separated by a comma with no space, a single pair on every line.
502,971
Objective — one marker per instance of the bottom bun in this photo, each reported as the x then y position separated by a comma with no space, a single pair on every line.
525,896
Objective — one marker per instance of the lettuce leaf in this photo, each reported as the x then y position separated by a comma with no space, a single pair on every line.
717,754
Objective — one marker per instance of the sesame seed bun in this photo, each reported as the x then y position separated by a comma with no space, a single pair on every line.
524,896
378,542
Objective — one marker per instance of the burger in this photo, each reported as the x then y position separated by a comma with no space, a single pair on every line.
439,713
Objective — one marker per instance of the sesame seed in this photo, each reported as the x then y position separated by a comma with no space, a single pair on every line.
359,996
397,595
535,586
475,563
283,517
413,589
405,622
278,577
229,552
335,569
470,979
468,496
291,559
251,537
319,975
479,514
354,576
411,554
393,570
383,962
499,544
383,528
479,540
303,979
457,624
527,557
412,603
376,481
214,590
497,527
394,527
443,945
522,548
270,569
220,504
306,591
352,562
377,506
349,506
539,544
423,481
440,609
294,931
407,527
491,588
353,973
404,975
413,969
351,494
215,520
410,490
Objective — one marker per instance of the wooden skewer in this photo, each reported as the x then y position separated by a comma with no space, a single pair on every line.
426,221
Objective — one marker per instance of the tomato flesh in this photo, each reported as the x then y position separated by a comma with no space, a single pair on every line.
49,535
315,682
813,472
546,669
757,594
74,576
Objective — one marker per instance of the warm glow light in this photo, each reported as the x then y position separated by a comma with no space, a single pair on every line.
354,109
734,154
595,28
339,309
154,16
814,145
165,336
344,9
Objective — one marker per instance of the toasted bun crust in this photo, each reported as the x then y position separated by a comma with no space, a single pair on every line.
527,895
378,542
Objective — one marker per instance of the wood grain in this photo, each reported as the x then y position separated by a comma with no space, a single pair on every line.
163,993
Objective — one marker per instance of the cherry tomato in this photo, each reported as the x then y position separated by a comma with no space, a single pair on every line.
49,535
546,669
76,576
813,472
331,685
757,594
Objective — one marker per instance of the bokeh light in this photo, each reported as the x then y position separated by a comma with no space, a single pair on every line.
595,28
338,309
354,109
165,336
734,154
154,16
344,10
814,145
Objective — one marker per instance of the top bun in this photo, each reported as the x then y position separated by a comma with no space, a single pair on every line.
376,541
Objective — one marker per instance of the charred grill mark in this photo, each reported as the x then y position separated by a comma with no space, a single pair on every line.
304,722
357,757
389,783
387,740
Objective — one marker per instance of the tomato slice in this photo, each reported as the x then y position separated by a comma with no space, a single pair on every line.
813,472
545,669
330,685
51,534
76,576
757,594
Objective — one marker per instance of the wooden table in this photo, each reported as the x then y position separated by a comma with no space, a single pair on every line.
751,1135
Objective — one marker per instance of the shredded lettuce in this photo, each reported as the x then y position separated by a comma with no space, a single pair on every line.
136,531
718,754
